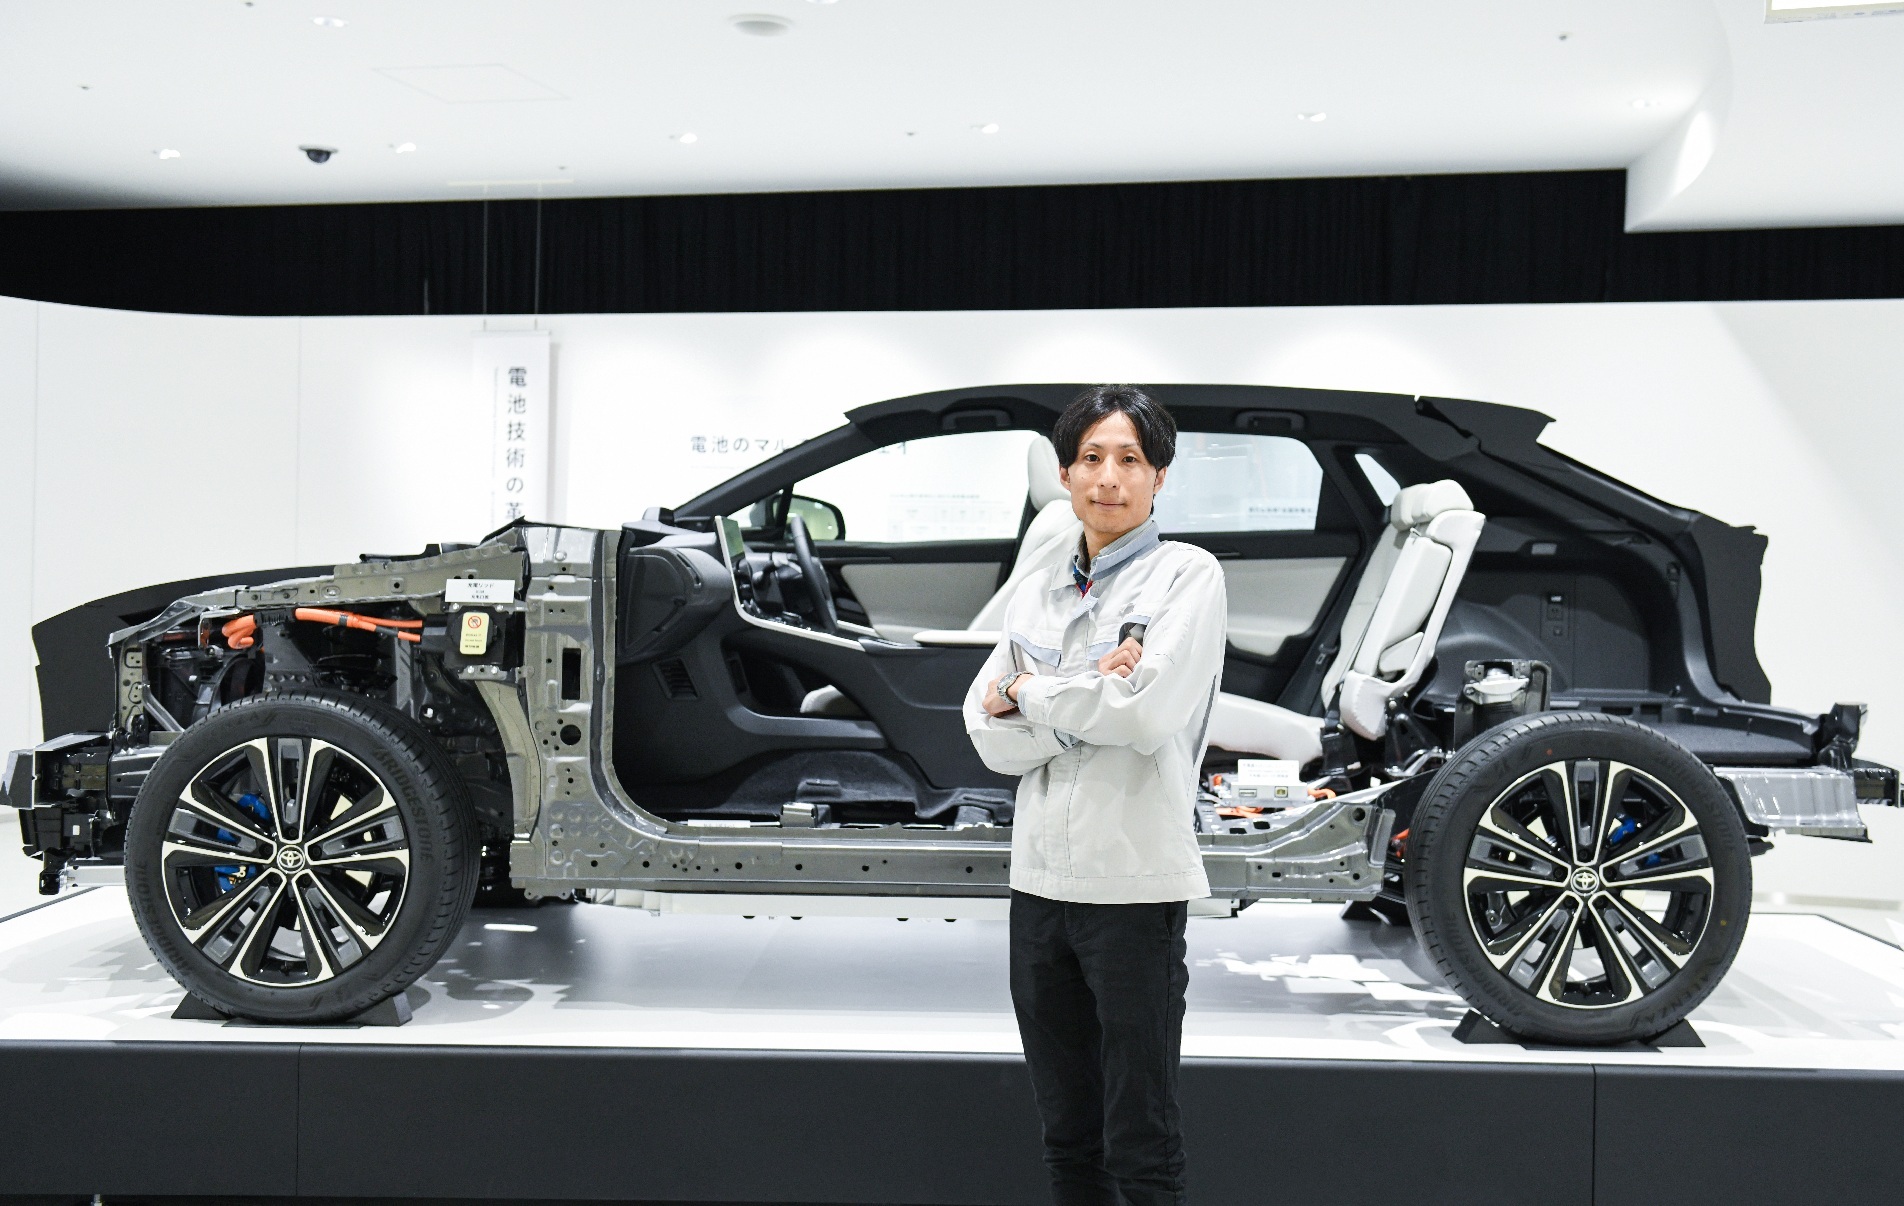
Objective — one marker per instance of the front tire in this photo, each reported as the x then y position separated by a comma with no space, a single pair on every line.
1579,878
300,858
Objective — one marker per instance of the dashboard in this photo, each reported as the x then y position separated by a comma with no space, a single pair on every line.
766,585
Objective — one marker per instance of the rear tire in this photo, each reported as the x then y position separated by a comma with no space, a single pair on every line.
300,858
1579,878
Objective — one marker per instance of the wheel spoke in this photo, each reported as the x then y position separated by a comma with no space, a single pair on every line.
290,759
320,963
196,922
1509,945
1547,967
348,932
1666,946
1585,781
230,935
184,836
258,755
1631,972
1487,879
1690,879
1683,857
381,841
374,802
314,775
1507,832
1613,794
1663,835
217,813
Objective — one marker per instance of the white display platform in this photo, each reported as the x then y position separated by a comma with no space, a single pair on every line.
1288,981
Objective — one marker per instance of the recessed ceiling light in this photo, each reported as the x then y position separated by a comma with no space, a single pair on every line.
166,153
686,139
760,25
823,1
1643,102
329,22
404,148
1318,115
990,127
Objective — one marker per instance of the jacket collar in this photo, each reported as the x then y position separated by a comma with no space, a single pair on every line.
1136,543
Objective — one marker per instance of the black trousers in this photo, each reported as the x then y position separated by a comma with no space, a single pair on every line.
1099,995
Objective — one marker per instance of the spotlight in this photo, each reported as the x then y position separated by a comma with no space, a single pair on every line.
990,127
329,22
1312,117
402,148
687,139
1644,103
318,154
166,153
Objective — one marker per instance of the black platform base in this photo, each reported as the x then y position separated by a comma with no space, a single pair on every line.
361,1120
393,1011
1476,1030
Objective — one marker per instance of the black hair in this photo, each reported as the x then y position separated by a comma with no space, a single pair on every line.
1156,430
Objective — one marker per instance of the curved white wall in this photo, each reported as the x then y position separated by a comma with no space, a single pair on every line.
145,447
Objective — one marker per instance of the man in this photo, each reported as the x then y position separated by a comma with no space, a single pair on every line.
1099,695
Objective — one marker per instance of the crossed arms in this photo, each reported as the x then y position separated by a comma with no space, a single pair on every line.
1137,695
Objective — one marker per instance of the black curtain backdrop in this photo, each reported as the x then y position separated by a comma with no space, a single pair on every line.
1397,240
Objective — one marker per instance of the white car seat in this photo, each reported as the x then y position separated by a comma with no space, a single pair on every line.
1050,539
1388,633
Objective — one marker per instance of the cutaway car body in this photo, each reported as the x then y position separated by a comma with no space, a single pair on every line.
1512,700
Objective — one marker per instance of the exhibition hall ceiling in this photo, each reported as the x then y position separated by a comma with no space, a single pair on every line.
1728,114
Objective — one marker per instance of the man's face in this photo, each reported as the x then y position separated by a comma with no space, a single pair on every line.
1112,483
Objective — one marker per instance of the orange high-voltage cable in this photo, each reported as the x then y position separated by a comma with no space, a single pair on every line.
350,619
242,632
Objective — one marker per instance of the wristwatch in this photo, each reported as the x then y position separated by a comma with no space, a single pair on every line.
1005,686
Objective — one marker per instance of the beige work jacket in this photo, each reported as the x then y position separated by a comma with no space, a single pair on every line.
1108,765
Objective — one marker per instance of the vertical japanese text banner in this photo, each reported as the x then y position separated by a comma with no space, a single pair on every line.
512,390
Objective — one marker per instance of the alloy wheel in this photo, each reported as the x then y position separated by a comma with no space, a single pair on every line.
1588,883
285,861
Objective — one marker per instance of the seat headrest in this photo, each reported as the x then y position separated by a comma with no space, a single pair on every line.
1041,473
1416,505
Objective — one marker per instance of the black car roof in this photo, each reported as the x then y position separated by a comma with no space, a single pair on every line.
1436,426
1440,428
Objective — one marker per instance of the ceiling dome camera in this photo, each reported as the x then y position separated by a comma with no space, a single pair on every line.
318,154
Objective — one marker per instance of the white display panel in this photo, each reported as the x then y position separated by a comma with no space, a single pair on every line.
162,446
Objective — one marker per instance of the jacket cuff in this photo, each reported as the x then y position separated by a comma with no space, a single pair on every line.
1032,690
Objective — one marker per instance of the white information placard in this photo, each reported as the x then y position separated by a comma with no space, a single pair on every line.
512,392
479,590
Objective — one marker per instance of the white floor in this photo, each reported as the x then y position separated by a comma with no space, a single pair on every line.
1819,982
1281,981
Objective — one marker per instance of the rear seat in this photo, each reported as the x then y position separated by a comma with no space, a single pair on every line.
1388,633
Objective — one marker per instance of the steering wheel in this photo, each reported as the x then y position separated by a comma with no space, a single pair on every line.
813,576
